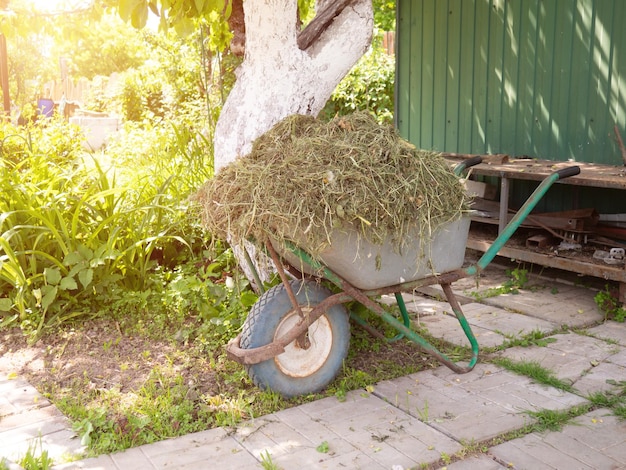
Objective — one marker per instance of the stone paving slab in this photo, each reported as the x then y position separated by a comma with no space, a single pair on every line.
478,462
570,357
460,405
492,326
190,451
552,297
381,432
610,330
30,421
362,431
411,421
596,440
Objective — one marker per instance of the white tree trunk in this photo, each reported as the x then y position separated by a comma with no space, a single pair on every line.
278,79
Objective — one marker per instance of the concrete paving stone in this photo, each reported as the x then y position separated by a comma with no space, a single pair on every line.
354,404
227,451
21,395
576,449
13,361
312,459
6,408
490,325
313,431
599,429
458,406
575,312
582,345
596,440
190,451
384,433
596,379
610,330
491,277
461,419
356,460
477,462
570,357
531,453
29,417
132,458
404,441
423,306
257,442
551,397
24,434
448,328
283,442
619,358
102,462
507,323
60,446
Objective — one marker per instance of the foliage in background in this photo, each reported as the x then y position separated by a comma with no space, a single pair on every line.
368,87
385,14
74,234
608,303
113,234
101,47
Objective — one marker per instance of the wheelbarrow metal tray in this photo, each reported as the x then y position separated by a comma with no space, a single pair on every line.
369,266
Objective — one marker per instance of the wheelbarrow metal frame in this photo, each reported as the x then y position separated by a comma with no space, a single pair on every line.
349,293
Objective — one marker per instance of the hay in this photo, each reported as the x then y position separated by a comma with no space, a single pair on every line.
305,178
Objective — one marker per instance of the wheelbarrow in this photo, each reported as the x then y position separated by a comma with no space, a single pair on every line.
297,334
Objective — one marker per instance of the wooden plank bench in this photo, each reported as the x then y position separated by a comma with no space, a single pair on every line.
592,175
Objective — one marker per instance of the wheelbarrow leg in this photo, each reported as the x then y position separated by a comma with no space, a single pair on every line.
456,308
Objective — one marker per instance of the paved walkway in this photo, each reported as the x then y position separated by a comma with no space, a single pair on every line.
431,419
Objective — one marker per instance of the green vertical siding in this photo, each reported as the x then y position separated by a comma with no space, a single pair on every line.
543,78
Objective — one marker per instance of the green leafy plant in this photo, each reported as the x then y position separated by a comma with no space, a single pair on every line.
532,338
323,447
612,308
614,399
554,420
266,461
36,458
535,371
368,87
518,279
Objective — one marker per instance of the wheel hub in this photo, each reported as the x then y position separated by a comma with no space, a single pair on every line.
299,361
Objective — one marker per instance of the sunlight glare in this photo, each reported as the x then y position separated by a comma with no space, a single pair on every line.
57,5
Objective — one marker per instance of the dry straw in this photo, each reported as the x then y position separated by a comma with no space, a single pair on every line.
305,178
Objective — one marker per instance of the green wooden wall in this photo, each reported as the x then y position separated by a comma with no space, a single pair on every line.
542,78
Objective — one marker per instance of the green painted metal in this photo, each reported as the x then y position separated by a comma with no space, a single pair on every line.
519,217
405,316
540,78
403,328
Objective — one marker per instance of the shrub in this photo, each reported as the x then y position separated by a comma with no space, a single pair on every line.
368,87
70,232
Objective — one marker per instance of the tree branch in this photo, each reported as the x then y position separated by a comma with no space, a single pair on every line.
319,24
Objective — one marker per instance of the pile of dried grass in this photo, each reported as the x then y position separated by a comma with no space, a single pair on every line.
305,178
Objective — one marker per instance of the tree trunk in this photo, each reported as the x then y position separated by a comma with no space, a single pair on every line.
277,78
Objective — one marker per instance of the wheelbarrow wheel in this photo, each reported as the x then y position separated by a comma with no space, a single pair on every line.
299,370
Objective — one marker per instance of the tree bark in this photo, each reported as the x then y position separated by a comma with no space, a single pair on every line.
278,77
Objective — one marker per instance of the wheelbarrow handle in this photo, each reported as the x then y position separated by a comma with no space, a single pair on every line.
458,169
519,217
567,172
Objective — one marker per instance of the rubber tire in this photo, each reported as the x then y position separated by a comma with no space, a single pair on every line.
266,317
